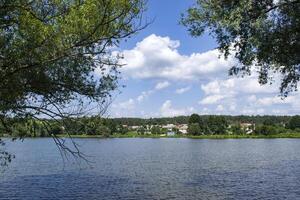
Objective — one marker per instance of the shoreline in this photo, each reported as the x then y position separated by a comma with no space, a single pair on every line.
291,135
275,136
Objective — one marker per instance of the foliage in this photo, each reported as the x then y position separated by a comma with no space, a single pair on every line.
97,126
142,130
217,125
155,130
260,34
294,123
194,118
56,62
265,130
194,129
51,49
236,129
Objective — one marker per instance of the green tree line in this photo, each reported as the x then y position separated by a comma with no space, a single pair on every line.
197,125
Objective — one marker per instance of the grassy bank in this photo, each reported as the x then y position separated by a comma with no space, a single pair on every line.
135,135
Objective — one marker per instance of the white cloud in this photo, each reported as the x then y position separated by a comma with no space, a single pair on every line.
158,86
232,107
249,111
234,85
162,85
158,57
182,90
212,99
292,100
252,99
167,110
144,95
129,104
220,108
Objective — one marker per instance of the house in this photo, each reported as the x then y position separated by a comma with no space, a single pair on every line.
168,126
248,127
182,128
170,133
134,128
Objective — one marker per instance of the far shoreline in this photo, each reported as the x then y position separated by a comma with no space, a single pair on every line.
277,136
83,136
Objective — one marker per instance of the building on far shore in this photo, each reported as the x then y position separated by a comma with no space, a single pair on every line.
170,133
248,127
182,128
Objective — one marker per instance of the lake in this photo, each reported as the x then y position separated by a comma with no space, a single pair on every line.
163,168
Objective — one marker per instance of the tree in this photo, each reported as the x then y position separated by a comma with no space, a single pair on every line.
194,129
266,130
217,124
236,129
55,55
155,130
294,123
141,130
194,118
262,34
103,130
51,49
269,122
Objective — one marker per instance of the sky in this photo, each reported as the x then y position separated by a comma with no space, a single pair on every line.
169,73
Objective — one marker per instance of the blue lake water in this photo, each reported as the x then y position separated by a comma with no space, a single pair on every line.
155,169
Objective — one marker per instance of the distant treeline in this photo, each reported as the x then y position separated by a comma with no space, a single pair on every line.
185,120
197,125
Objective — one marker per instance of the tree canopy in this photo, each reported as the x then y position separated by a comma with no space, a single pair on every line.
51,49
294,123
56,59
262,35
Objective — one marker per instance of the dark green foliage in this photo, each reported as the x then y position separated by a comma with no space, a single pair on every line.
122,129
265,130
194,118
236,129
103,130
294,123
51,49
263,34
155,130
142,130
269,122
217,125
194,129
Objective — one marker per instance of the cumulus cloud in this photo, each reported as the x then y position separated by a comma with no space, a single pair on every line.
182,90
158,86
144,95
234,85
129,104
162,85
158,57
292,100
167,110
212,99
220,108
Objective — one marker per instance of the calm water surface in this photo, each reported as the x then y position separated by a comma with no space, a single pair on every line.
156,169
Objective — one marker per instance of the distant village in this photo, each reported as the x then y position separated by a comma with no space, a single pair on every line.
169,129
182,125
173,129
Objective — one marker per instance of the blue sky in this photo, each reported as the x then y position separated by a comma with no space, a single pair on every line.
170,73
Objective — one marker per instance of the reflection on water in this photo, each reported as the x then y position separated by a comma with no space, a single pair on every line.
156,169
